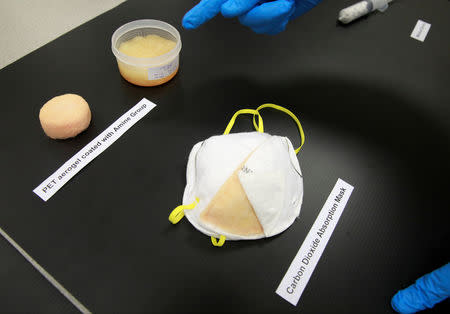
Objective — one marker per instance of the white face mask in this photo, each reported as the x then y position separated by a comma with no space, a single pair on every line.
243,186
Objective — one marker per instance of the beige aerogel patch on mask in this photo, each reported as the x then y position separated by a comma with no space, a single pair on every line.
231,211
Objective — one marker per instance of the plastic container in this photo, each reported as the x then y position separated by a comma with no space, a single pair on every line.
147,71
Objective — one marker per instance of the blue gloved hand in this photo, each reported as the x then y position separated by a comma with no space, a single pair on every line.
425,293
262,16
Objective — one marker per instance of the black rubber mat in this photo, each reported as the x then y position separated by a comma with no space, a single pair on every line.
374,104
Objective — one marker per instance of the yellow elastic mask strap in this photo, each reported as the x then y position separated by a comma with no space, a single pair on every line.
302,135
220,242
178,213
258,128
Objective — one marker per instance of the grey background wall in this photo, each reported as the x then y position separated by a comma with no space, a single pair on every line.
29,24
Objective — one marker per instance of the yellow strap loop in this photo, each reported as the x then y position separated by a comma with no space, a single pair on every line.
259,128
302,135
178,213
221,241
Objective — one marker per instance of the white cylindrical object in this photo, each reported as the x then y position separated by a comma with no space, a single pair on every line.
362,8
355,11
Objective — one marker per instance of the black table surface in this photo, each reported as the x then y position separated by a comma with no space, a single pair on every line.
374,104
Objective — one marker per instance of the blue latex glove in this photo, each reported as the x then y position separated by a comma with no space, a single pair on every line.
425,293
262,16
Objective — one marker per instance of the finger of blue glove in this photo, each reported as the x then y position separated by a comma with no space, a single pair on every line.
269,13
201,13
427,291
271,29
233,8
303,6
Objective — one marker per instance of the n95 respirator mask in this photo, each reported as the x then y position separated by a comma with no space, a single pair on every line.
243,186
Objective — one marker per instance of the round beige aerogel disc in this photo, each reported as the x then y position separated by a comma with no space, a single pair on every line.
65,116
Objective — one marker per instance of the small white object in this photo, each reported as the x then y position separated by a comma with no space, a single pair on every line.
420,31
304,263
362,8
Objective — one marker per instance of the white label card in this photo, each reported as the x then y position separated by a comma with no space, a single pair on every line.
304,263
161,72
52,184
420,31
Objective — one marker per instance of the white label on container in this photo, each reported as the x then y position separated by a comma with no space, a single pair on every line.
71,167
161,72
304,263
420,31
